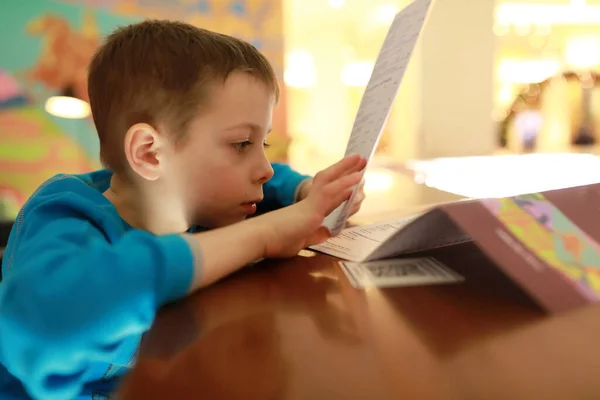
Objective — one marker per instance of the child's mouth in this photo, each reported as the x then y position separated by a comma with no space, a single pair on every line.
249,208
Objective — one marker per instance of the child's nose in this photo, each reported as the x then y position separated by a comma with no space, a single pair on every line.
264,172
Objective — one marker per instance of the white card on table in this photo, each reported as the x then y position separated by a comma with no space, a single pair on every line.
359,242
399,272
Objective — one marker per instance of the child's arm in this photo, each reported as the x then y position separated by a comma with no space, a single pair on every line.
280,233
71,298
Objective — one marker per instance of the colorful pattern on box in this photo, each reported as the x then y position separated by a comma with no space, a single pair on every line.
552,237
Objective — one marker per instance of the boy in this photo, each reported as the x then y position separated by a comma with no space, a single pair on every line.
182,115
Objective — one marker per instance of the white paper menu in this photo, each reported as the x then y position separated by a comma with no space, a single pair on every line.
376,103
394,238
359,242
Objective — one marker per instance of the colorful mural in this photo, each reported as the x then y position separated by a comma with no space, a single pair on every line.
11,94
65,53
44,49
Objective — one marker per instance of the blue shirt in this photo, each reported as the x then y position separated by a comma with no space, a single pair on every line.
80,287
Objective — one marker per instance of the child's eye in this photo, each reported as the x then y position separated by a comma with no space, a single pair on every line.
241,146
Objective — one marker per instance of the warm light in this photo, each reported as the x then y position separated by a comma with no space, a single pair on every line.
420,178
527,71
500,30
378,181
582,52
347,53
510,175
307,253
543,30
300,69
67,107
336,3
385,13
498,114
356,74
537,41
505,95
522,13
522,30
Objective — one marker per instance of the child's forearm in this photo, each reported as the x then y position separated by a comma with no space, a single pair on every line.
220,252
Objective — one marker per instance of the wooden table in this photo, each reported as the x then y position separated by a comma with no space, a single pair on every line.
296,329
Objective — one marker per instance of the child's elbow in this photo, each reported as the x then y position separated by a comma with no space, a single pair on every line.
46,370
35,346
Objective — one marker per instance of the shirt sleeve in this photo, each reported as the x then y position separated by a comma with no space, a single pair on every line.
280,191
71,298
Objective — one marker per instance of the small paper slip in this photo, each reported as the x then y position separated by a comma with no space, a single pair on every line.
376,103
399,272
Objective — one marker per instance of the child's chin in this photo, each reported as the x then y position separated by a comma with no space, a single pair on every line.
220,220
229,221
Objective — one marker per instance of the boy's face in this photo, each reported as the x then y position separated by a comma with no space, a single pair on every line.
220,169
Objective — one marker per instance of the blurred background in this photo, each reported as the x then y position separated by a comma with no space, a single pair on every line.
500,97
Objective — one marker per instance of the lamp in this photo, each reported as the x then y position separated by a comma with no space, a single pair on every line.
67,105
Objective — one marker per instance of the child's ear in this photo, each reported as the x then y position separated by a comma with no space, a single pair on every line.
143,145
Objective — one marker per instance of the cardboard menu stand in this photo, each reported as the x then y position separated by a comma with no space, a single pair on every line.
546,243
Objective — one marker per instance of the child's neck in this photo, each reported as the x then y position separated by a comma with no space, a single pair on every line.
145,207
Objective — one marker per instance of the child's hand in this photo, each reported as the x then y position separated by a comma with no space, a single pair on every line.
359,197
298,226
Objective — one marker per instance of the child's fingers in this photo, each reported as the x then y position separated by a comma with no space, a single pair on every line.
345,182
340,190
347,165
359,166
334,202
